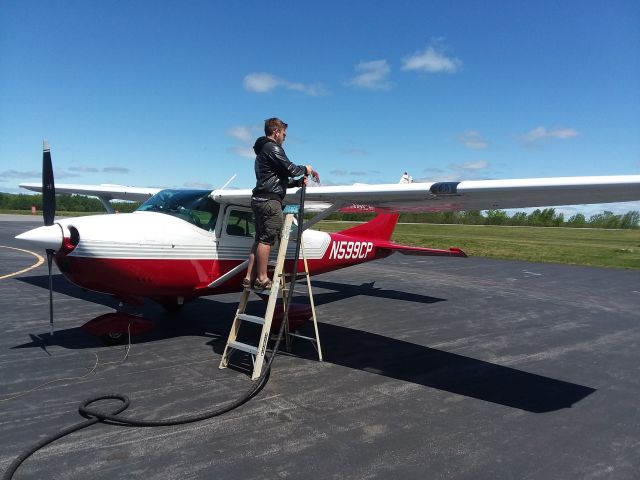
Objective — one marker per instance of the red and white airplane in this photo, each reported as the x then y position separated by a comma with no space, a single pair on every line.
183,244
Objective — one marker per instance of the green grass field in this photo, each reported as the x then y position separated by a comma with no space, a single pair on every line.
578,246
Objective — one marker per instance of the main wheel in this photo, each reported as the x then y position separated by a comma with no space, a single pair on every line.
113,338
171,305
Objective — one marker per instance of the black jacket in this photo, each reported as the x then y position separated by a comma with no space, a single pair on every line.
273,170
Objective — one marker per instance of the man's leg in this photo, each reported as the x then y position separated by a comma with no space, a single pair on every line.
251,266
262,260
269,220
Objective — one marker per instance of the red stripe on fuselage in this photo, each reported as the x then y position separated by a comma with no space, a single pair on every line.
190,278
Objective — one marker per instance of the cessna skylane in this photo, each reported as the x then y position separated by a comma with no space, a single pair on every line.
183,244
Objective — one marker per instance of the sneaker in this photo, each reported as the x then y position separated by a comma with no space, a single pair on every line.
246,283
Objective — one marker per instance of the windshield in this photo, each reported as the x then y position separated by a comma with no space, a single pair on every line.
193,206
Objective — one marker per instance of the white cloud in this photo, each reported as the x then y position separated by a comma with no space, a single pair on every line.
471,166
431,60
83,169
243,133
195,184
246,152
15,174
472,139
372,75
539,134
433,170
357,173
260,82
356,152
116,170
265,82
456,172
62,174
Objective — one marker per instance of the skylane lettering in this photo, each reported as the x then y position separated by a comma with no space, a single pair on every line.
346,250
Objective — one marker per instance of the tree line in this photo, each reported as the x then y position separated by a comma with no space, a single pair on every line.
547,217
64,203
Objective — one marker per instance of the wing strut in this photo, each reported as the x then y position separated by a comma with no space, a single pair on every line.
322,215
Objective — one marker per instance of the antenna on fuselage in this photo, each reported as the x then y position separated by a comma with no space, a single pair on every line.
228,182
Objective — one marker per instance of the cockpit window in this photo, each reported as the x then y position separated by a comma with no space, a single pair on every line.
241,223
193,206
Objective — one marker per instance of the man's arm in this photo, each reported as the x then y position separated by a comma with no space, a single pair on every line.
285,167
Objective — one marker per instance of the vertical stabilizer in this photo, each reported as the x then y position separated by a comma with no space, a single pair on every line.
380,228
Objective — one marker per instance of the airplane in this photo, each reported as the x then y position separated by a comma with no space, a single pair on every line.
183,244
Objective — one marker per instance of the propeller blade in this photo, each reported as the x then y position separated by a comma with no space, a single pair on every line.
48,186
48,213
49,258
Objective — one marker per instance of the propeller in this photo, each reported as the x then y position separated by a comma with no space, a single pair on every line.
48,213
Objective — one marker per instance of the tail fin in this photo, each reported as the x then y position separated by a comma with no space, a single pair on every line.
380,228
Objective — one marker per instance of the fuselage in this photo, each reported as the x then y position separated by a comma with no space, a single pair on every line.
184,249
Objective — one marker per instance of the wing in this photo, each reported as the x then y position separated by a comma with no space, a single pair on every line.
106,192
456,196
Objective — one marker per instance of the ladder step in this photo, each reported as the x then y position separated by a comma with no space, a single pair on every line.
244,347
251,318
286,290
298,275
297,335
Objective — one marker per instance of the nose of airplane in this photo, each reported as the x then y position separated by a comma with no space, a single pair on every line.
48,237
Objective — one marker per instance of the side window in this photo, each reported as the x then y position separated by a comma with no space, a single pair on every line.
240,223
207,213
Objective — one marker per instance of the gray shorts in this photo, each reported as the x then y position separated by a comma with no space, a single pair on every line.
269,220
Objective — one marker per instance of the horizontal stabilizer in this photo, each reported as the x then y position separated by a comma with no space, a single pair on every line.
420,251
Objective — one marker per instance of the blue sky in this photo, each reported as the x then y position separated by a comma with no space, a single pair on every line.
174,93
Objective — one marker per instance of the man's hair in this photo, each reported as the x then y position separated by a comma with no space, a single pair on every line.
273,124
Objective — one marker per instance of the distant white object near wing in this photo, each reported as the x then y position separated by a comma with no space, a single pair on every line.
406,178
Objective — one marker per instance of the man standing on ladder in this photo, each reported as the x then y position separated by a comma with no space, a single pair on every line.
274,174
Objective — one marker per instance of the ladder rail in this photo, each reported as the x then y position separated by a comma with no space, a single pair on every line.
313,307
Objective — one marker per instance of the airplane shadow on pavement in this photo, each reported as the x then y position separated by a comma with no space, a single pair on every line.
344,346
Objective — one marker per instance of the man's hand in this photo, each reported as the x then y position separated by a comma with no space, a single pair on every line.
309,169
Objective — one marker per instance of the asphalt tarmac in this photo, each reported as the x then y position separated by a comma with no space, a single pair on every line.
434,368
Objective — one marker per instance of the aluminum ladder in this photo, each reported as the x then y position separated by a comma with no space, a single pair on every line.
258,351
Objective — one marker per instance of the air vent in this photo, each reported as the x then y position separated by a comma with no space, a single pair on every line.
74,236
444,188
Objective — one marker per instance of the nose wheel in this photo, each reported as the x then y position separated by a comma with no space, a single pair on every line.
114,328
113,338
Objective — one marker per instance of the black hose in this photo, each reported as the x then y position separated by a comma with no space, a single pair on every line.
94,416
294,272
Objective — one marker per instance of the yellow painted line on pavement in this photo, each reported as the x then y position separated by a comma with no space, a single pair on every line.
37,264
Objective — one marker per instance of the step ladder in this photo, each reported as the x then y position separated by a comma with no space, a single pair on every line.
279,286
